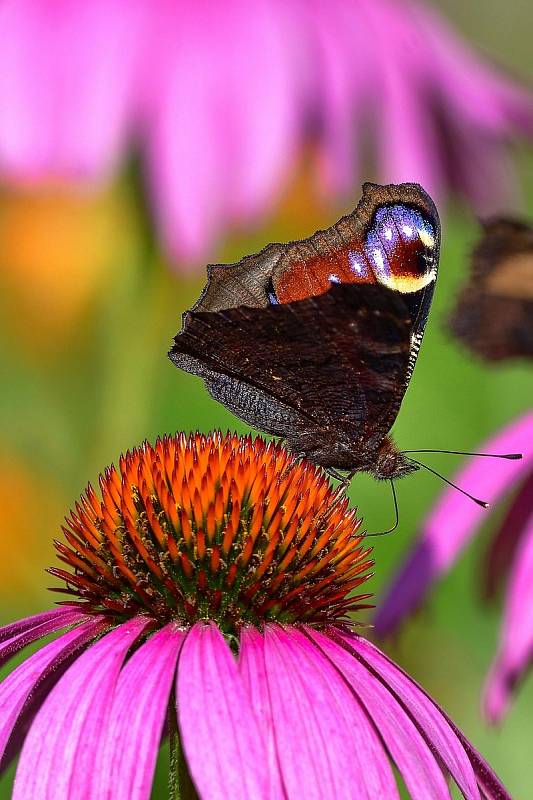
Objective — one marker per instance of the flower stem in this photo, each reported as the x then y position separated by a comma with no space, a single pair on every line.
180,785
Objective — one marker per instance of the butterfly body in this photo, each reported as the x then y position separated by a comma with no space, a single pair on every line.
316,341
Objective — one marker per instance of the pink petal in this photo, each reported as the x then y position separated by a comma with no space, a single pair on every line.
416,761
14,628
222,740
324,742
515,652
440,736
130,743
252,670
57,759
454,521
393,675
67,75
28,630
504,545
18,689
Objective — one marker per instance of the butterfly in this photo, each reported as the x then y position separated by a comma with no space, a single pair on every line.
493,316
316,340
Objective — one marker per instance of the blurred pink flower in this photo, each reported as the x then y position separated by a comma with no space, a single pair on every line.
222,97
450,526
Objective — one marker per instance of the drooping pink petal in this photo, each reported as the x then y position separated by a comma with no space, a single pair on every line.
28,630
223,743
413,757
324,742
454,520
394,676
67,79
130,743
441,737
57,759
515,652
21,625
21,688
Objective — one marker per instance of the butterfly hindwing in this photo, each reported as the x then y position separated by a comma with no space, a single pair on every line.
329,369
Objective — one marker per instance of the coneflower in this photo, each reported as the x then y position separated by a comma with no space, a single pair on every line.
213,583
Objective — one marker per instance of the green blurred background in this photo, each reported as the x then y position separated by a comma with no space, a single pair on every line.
88,308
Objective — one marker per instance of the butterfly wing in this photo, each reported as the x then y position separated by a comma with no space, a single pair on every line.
392,239
494,310
327,373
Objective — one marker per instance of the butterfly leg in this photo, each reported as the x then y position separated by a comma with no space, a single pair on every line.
396,514
344,479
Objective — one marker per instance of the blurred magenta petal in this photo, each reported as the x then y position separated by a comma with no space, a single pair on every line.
223,743
130,743
57,759
504,545
20,686
335,66
220,118
515,652
222,100
454,521
68,72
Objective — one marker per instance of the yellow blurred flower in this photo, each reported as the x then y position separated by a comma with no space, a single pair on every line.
30,509
57,246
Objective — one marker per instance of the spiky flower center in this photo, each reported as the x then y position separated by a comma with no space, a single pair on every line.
219,528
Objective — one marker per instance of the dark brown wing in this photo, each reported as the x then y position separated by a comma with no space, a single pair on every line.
327,373
493,316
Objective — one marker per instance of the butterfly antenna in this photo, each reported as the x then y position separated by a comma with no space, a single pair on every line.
481,503
511,456
397,517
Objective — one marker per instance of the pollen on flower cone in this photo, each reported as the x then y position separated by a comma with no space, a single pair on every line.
217,528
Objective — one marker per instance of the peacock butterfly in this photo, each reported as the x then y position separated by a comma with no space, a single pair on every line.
493,316
316,340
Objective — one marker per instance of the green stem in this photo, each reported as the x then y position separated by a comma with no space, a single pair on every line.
180,785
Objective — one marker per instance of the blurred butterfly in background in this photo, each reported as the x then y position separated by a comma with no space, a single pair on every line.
316,340
493,316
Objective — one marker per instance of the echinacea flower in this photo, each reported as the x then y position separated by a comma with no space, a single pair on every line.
211,586
452,523
220,98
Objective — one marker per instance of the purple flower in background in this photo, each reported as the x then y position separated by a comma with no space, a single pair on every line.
211,586
221,98
451,525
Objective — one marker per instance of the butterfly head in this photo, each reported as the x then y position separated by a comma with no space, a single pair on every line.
390,463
